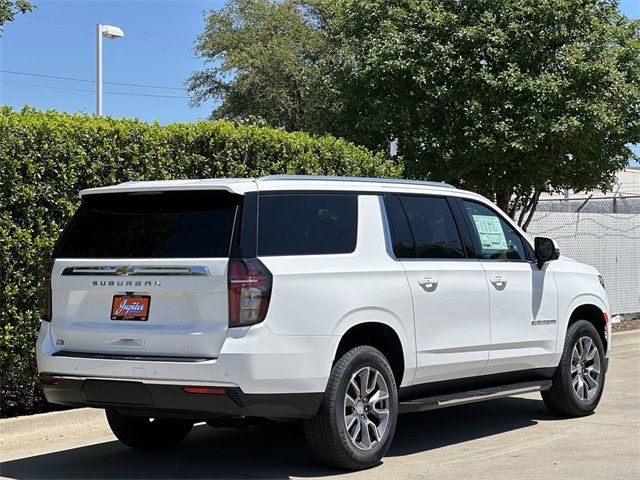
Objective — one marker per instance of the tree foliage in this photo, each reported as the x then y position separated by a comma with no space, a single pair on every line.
261,57
10,8
512,98
509,97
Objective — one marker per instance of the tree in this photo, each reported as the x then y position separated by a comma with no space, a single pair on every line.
511,98
261,57
10,8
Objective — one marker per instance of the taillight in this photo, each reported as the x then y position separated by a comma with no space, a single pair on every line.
249,291
47,295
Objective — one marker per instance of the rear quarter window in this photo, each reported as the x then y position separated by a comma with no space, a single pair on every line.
307,224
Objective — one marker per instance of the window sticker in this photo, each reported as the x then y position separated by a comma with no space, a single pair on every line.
490,232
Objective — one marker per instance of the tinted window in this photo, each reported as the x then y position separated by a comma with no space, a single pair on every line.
153,225
497,239
433,227
401,236
307,224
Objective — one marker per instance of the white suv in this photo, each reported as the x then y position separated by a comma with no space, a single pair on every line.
339,301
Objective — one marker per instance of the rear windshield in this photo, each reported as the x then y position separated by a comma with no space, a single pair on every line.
152,225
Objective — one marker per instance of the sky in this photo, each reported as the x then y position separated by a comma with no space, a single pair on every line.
59,39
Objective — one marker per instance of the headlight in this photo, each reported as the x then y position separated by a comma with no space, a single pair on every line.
601,280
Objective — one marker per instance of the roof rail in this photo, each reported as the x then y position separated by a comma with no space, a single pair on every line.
356,179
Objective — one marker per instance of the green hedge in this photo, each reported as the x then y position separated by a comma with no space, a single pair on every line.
46,158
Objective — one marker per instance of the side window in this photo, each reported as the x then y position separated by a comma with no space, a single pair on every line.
307,224
401,236
497,239
433,228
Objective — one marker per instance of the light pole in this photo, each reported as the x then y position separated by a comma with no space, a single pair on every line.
109,32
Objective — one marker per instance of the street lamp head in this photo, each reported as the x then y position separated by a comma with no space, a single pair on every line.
108,31
111,31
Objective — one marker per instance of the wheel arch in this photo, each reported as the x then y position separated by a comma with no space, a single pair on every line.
382,335
593,309
379,336
594,315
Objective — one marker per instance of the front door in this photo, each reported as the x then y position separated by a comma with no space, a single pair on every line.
449,290
523,298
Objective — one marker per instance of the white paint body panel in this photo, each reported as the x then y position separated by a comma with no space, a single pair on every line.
464,327
576,287
188,314
524,316
452,318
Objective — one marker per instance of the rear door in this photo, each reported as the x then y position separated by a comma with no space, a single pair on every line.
145,274
450,297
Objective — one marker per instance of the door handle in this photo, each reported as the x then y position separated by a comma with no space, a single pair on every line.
498,280
427,282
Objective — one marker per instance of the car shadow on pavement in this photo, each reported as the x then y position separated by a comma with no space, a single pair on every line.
271,452
418,432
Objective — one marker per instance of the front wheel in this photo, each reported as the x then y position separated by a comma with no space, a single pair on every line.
357,419
579,379
147,433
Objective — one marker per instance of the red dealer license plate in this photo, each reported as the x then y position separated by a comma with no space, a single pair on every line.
130,307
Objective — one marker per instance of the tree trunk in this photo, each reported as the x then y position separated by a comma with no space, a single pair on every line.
513,209
525,209
529,208
503,199
532,208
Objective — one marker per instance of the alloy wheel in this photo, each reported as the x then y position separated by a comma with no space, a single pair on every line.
366,408
585,369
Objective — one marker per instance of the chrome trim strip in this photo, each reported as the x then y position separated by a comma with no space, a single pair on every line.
132,357
477,398
461,398
198,271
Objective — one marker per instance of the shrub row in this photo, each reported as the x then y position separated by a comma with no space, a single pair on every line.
46,158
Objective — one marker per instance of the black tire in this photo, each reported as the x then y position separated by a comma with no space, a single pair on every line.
327,434
146,433
562,399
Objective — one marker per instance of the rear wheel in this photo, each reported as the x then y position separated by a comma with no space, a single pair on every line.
357,418
579,379
147,433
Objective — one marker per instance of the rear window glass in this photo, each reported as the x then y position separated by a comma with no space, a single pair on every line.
307,224
152,225
403,243
434,229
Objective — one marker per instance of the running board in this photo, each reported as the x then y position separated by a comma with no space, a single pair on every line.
471,396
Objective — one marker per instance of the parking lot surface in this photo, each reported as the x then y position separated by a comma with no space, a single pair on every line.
501,439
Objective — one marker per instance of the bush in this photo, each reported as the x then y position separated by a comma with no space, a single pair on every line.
46,158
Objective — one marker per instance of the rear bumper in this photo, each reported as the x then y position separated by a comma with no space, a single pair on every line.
254,360
172,400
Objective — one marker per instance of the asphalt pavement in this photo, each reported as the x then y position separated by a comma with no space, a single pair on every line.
512,438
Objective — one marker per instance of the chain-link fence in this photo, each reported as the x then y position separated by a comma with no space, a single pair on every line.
603,232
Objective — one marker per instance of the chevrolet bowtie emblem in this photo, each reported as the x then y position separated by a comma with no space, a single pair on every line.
124,271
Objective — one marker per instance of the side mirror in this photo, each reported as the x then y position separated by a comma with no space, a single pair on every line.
546,250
